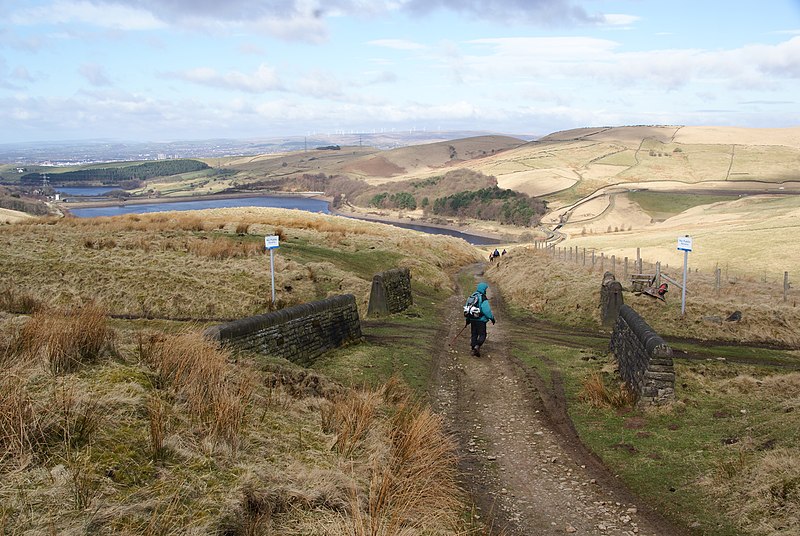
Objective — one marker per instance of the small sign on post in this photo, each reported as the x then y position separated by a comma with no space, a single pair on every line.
271,243
685,245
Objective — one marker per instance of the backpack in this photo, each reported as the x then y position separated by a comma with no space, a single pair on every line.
472,309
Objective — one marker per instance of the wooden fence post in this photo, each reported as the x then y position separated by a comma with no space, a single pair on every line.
614,265
584,256
593,259
602,262
718,276
625,271
658,273
638,261
785,286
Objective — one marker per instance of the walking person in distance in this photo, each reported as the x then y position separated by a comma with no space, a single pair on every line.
478,313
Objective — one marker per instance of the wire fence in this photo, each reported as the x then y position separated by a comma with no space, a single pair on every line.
638,274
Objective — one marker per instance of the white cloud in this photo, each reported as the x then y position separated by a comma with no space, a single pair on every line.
262,80
320,84
62,12
396,44
540,12
618,19
584,58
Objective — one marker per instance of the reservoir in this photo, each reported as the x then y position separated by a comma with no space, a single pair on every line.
298,203
89,191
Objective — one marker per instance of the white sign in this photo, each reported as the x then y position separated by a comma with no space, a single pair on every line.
271,242
685,243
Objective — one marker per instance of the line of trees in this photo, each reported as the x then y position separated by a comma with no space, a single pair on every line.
117,175
495,204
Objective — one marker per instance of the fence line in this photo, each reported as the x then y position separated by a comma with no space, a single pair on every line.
592,258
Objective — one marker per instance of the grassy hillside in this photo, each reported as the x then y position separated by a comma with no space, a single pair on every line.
747,237
723,459
142,427
212,264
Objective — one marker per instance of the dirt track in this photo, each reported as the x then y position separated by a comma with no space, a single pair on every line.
521,458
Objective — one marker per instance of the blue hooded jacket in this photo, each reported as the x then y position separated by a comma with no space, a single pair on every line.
486,311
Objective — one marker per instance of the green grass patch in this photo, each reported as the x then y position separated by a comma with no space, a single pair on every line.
694,459
757,356
660,455
663,205
364,263
400,345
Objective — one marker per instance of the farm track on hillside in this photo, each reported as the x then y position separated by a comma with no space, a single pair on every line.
521,458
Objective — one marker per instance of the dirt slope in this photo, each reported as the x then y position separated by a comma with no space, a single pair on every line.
521,458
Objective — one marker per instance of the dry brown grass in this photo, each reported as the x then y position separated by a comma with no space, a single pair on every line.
199,372
350,418
66,339
413,488
157,417
569,293
761,490
597,393
160,269
20,302
20,423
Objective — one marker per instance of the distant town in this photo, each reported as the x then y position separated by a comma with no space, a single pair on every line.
70,153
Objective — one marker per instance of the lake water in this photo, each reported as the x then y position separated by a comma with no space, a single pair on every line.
87,192
299,203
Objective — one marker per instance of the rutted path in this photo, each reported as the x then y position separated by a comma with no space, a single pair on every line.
521,461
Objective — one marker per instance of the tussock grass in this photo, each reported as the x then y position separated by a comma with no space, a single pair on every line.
598,394
66,339
413,488
199,372
350,417
20,423
21,302
196,265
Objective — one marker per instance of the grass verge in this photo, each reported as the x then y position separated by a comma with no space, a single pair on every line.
721,460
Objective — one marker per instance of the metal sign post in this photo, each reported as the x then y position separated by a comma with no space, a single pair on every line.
685,245
271,243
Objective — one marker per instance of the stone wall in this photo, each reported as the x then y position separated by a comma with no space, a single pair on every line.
645,360
610,299
391,292
299,334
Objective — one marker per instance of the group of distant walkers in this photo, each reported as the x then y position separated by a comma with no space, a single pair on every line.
494,254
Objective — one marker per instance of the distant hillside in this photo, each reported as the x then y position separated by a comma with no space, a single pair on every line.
116,175
420,159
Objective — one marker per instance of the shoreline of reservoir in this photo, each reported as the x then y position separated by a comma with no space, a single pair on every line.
464,231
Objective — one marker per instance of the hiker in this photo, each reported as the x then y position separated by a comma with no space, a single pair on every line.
496,253
491,256
479,319
504,252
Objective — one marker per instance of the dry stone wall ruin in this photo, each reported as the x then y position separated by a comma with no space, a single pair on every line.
299,334
645,360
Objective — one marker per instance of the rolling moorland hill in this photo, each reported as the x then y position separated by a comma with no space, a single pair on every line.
610,189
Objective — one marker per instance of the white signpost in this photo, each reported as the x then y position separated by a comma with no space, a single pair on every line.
685,245
271,243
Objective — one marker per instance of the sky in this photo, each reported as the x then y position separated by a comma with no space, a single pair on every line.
166,70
